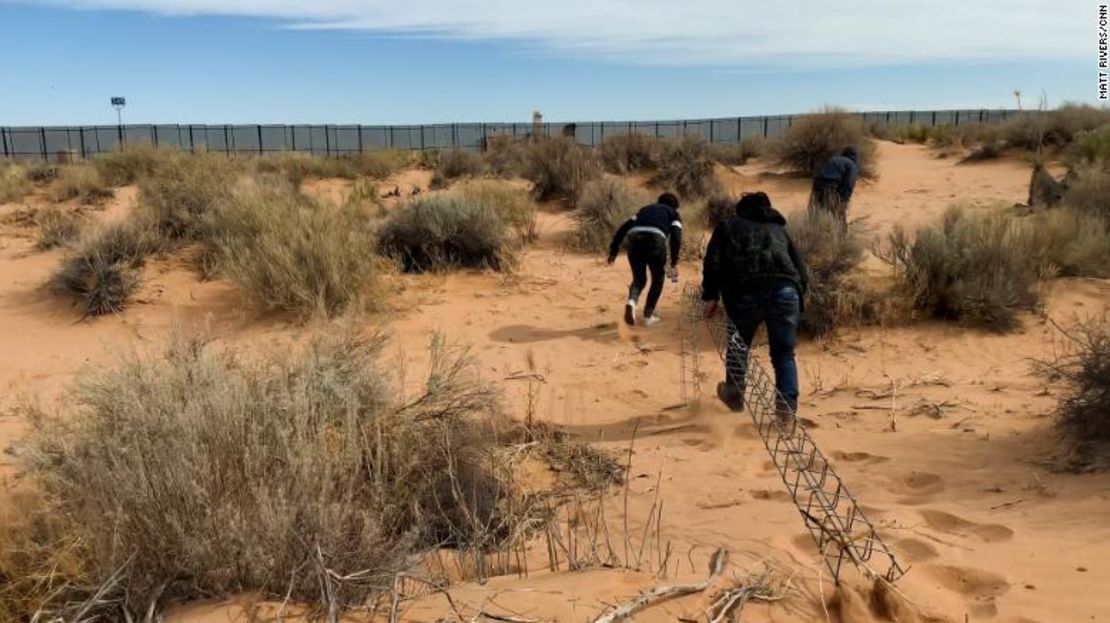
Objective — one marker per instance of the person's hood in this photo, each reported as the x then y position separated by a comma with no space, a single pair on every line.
851,153
762,213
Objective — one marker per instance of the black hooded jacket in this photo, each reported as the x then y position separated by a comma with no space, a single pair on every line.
840,172
750,251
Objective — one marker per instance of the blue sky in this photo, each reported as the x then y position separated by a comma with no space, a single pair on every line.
369,61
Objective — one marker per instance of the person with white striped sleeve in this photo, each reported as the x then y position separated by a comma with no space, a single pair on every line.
650,231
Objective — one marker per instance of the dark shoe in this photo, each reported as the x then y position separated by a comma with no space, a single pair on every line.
732,397
630,313
784,417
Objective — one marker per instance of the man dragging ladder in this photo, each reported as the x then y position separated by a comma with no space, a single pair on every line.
649,232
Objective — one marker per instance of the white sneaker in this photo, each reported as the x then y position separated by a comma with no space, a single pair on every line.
650,320
630,313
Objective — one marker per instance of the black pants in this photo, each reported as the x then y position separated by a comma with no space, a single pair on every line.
647,252
825,197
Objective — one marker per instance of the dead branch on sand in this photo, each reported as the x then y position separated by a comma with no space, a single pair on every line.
662,593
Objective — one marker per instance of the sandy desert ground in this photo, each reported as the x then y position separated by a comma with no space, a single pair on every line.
976,501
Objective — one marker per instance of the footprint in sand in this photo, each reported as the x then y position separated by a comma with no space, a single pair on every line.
857,457
770,495
973,583
915,550
916,487
699,443
947,522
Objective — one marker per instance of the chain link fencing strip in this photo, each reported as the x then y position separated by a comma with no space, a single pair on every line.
831,514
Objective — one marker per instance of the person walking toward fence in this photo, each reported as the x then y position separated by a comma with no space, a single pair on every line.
751,265
834,183
649,232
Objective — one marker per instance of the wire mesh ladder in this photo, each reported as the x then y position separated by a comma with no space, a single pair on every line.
831,514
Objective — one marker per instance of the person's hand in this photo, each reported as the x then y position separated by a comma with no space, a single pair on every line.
711,309
674,274
612,258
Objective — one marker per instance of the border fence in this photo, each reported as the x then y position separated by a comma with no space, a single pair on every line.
66,142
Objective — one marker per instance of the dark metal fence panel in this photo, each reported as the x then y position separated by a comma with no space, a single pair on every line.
50,143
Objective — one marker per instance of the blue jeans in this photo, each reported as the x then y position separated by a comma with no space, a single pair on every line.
779,306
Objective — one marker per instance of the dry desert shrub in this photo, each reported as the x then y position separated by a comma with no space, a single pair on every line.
559,168
604,206
630,153
182,191
194,473
456,164
14,183
505,155
740,152
296,166
1053,128
81,182
687,168
1088,191
973,268
513,205
290,253
814,138
717,210
831,255
1068,243
1083,411
447,230
1090,148
129,164
102,271
58,227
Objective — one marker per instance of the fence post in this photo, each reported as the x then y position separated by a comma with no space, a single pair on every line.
81,134
912,115
766,124
4,140
422,136
683,129
391,142
227,139
192,140
327,141
360,138
42,137
934,123
957,118
154,135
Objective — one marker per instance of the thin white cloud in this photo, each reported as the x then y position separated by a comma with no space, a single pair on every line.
753,33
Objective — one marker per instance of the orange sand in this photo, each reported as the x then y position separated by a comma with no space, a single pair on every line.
973,500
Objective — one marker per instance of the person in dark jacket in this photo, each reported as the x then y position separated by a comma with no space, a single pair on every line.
751,265
834,183
649,231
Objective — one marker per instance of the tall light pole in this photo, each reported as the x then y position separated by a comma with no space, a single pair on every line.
118,103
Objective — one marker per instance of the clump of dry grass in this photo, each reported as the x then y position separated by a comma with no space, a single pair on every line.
195,472
297,166
1083,411
456,164
630,153
740,152
718,209
1089,192
290,253
973,268
1067,242
102,271
81,182
604,206
814,138
42,172
513,205
447,230
182,191
687,168
14,184
559,168
1054,128
130,164
505,155
58,227
831,254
